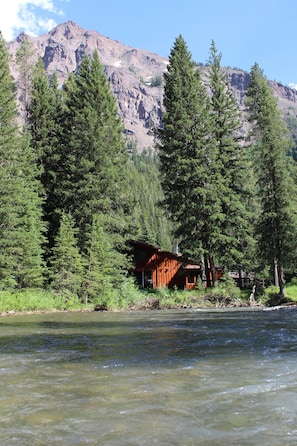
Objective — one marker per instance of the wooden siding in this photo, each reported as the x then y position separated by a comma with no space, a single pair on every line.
156,268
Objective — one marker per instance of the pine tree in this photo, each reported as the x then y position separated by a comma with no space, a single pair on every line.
276,225
24,61
67,266
21,227
30,268
233,230
103,263
44,123
91,177
186,160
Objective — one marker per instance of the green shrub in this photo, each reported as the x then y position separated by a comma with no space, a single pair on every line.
291,290
224,293
271,296
129,294
156,81
293,281
36,300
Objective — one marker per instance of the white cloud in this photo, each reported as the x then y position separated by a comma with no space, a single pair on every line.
294,86
32,16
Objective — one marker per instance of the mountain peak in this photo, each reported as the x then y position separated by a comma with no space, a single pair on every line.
135,75
68,29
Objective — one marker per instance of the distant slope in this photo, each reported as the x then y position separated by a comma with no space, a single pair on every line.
130,72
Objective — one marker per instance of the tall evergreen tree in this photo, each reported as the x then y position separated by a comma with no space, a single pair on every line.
105,264
21,227
91,177
24,61
276,226
233,231
186,155
44,123
67,266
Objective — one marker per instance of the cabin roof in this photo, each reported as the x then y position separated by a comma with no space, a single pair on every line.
188,263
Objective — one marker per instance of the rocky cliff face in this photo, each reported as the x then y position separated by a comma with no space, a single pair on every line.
134,75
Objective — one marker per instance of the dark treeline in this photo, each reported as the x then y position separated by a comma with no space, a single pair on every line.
73,191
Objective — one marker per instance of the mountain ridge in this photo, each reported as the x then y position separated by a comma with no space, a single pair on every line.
134,75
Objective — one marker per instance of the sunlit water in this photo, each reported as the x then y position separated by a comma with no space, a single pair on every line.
149,378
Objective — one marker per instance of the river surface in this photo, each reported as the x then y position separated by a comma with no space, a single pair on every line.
213,378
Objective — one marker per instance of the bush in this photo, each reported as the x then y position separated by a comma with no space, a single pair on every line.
36,300
293,281
156,81
224,293
271,296
291,290
128,293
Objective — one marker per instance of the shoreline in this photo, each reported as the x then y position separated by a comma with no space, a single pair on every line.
8,313
33,312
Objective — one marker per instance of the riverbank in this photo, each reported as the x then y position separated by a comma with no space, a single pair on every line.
222,296
146,304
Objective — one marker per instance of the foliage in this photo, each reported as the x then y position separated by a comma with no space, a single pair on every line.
30,230
291,122
291,290
83,166
232,234
271,297
184,147
170,299
35,300
67,265
204,168
149,220
225,293
44,123
276,228
156,81
21,226
71,196
128,294
91,178
106,265
23,59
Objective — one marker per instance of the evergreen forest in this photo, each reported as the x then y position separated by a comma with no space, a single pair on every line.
74,191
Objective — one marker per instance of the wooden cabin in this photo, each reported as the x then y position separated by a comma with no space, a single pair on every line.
155,268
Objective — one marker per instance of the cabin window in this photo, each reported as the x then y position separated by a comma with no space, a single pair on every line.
144,279
147,279
191,277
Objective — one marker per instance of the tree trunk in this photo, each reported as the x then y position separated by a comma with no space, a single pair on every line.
281,283
240,276
276,280
207,272
213,271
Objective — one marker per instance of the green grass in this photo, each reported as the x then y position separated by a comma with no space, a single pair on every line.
129,297
35,300
271,295
291,292
179,298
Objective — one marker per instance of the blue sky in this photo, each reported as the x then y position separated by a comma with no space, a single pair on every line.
245,32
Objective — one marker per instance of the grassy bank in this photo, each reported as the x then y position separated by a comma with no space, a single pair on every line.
131,298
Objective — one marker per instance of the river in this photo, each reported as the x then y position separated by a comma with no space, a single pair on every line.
213,378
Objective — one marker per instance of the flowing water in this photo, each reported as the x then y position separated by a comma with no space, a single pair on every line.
183,377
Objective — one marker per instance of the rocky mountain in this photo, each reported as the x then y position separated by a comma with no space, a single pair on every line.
135,75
